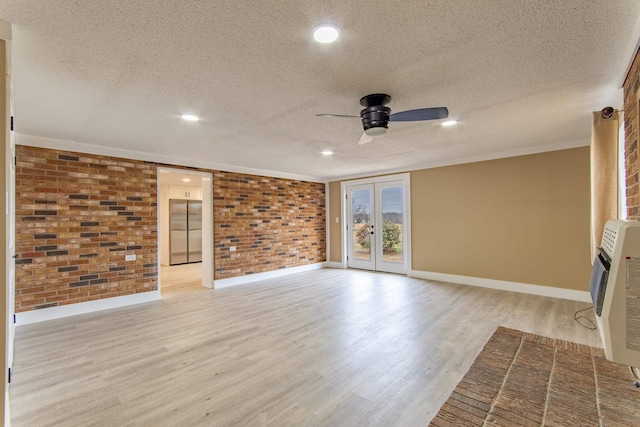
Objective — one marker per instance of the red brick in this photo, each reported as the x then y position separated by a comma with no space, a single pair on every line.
288,215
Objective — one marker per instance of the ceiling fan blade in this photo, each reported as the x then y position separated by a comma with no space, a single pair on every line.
365,139
420,114
336,115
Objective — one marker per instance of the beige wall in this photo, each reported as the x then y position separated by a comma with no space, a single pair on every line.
521,219
335,229
493,219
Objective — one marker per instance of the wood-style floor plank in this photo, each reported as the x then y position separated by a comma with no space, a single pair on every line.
325,347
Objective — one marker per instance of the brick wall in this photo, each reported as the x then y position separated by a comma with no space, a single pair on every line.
76,217
631,125
274,223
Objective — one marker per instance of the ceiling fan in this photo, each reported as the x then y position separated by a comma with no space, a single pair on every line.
376,116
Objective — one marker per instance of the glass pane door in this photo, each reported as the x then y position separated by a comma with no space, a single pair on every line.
361,227
376,231
391,241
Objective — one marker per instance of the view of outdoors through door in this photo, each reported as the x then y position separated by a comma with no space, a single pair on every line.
362,224
377,226
392,222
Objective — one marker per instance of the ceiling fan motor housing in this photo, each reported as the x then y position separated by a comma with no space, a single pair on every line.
375,117
375,114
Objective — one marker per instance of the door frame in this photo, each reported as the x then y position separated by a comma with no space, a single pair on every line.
344,208
369,264
207,222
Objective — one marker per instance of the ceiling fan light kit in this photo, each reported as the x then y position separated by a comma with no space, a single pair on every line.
376,115
376,131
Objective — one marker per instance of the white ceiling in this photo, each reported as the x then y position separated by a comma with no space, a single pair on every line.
520,76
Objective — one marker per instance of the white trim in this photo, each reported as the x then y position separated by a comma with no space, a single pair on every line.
207,222
376,179
7,410
334,264
241,280
327,224
476,158
345,209
59,144
524,288
51,313
622,172
408,225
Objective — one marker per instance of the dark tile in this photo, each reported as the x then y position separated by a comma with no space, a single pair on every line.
56,253
51,304
48,213
89,234
45,236
78,284
92,255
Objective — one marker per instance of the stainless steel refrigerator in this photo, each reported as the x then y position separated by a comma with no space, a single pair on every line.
185,241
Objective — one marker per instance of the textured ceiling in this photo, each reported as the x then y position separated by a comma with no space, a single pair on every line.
519,75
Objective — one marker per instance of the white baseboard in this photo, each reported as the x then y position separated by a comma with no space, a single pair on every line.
7,411
51,313
334,264
525,288
239,280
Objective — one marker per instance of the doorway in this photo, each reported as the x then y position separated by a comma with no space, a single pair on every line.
195,189
377,224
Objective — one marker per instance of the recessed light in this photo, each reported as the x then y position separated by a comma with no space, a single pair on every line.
190,117
449,123
327,153
326,34
186,180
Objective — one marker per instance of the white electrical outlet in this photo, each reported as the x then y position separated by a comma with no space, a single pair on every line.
232,248
130,257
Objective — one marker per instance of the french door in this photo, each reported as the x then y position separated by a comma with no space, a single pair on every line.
377,226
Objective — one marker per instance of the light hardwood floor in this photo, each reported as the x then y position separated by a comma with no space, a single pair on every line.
178,279
325,347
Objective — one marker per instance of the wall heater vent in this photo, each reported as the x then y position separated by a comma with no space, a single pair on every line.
615,290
